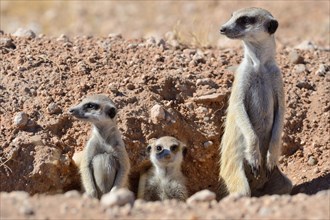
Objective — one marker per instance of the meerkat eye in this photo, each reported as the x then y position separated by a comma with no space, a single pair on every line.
91,106
245,20
242,20
252,20
174,148
159,148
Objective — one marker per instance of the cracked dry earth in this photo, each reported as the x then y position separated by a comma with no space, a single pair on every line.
41,77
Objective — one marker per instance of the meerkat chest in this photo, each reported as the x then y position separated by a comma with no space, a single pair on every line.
259,100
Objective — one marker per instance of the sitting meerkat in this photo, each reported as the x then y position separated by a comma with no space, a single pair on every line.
104,163
251,143
165,179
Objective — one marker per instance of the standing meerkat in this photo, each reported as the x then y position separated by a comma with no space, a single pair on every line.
104,163
251,143
165,179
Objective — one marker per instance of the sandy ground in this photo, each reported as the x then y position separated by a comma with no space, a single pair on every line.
43,76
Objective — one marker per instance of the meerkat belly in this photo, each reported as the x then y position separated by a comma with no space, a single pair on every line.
260,109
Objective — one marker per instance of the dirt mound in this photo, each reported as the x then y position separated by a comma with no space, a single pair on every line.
42,77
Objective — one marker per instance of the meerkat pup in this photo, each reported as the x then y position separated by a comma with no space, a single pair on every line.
165,179
251,143
104,163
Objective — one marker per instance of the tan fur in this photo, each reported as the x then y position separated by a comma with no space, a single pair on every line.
165,179
251,143
104,163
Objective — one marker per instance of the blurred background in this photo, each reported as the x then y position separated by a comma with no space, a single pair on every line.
193,22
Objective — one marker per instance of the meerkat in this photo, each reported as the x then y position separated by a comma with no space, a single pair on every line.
165,179
104,163
251,143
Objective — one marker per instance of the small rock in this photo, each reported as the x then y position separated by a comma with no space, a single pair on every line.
7,42
304,84
311,161
53,108
295,58
21,32
21,119
157,113
151,41
63,38
207,144
216,97
198,58
118,197
201,196
130,86
72,194
322,70
206,81
299,68
113,87
132,46
306,45
26,210
115,36
316,170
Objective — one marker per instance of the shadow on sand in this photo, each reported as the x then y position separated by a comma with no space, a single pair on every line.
313,186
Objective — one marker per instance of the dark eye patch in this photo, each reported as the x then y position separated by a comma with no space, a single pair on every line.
91,106
245,20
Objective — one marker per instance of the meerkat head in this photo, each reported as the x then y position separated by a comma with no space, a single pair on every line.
166,151
250,24
97,109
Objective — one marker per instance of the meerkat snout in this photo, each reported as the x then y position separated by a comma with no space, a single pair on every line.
249,24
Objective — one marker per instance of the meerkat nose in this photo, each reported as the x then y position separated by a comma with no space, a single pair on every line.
223,30
72,111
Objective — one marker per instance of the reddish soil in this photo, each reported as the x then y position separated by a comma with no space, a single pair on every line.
42,77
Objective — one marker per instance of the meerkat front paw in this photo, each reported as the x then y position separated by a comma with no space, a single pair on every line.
271,163
254,160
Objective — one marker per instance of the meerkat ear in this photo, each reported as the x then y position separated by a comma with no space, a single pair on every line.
111,112
272,26
149,149
184,151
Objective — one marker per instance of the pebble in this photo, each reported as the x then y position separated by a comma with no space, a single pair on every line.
7,42
311,161
198,58
206,81
322,70
306,45
299,68
118,197
304,84
295,58
208,144
26,210
72,194
53,108
157,113
21,32
130,86
21,119
150,41
202,196
215,97
63,38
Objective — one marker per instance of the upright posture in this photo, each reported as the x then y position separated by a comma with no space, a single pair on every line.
104,162
165,179
251,143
